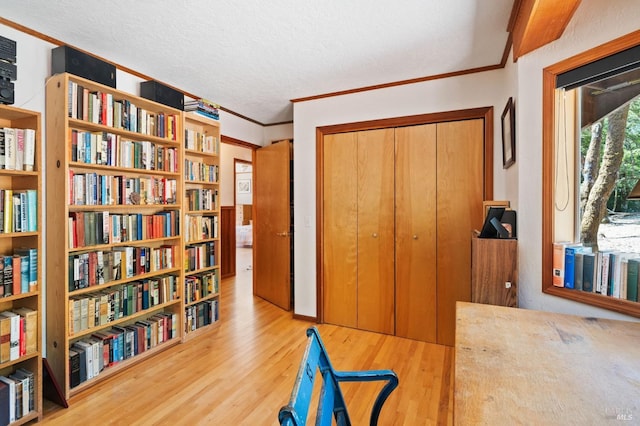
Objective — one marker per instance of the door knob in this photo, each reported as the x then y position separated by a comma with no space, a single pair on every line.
415,236
282,234
374,235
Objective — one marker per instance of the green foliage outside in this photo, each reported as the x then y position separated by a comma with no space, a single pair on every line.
629,173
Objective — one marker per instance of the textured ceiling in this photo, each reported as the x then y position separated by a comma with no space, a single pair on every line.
252,57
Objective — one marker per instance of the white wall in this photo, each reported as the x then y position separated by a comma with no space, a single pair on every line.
277,133
471,91
594,23
227,154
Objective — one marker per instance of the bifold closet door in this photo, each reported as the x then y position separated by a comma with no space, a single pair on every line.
340,229
376,231
460,177
416,279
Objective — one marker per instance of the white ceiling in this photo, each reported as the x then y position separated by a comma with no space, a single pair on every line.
252,57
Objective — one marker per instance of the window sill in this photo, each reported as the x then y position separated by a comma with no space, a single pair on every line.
605,302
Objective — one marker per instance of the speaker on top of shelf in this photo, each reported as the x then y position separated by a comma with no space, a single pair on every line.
6,91
68,59
158,92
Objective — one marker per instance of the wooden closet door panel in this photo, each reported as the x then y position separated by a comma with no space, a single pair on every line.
460,178
340,226
376,230
416,279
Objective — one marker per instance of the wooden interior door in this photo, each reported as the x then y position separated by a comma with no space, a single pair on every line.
272,257
416,278
460,177
376,231
340,225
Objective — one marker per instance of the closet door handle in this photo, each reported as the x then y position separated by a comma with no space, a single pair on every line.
374,235
415,236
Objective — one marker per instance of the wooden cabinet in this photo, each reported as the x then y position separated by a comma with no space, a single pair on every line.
21,235
494,271
201,236
114,231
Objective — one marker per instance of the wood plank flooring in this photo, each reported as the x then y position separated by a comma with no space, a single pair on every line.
242,372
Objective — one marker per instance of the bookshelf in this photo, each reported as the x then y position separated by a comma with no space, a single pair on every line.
24,232
114,281
201,236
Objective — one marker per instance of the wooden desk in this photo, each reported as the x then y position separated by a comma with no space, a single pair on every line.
517,366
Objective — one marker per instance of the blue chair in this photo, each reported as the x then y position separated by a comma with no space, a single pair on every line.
331,400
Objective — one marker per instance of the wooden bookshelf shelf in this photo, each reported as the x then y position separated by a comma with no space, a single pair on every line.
112,170
26,298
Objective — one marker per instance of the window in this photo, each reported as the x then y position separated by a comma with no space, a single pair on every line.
597,86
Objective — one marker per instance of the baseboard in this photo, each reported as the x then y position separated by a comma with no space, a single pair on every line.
305,318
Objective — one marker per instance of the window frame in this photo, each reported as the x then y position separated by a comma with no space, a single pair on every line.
549,76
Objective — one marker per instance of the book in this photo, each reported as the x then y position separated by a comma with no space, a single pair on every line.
19,149
32,210
22,372
14,351
633,274
578,270
31,328
10,148
5,339
23,388
588,271
5,403
12,397
569,265
32,260
29,149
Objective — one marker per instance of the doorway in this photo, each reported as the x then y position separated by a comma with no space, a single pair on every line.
243,201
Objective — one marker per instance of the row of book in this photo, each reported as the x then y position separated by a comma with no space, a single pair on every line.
92,228
201,314
199,228
101,308
17,395
203,107
197,287
201,172
17,148
19,272
102,266
108,149
202,199
606,272
91,356
18,333
198,256
18,210
93,189
101,108
201,142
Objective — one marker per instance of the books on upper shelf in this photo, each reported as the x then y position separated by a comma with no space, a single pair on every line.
606,272
203,107
18,333
19,272
17,148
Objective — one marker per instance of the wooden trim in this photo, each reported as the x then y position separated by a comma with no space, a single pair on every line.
237,142
305,318
549,75
540,22
486,113
228,241
401,83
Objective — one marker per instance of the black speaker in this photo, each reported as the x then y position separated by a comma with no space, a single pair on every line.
67,59
165,95
6,91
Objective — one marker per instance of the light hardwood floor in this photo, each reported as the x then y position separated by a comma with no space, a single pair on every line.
242,372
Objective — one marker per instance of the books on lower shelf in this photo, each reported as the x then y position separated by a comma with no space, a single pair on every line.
18,333
18,210
606,272
92,355
201,314
19,272
17,395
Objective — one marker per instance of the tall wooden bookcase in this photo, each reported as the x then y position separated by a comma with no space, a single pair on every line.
201,236
114,195
18,181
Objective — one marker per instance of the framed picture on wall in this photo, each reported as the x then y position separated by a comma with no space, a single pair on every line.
508,135
244,186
